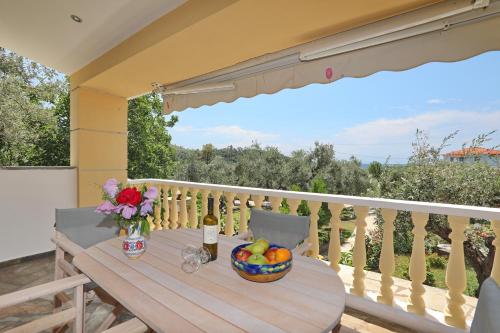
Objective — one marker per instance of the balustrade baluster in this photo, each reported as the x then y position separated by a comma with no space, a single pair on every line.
204,205
165,207
314,207
149,218
257,200
456,279
217,195
193,208
495,270
174,216
157,212
359,252
275,204
386,264
294,205
334,245
243,212
417,270
183,216
229,227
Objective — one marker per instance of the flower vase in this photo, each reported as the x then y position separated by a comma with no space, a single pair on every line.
134,244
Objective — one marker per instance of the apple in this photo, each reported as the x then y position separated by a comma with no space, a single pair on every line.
257,259
270,254
263,242
242,255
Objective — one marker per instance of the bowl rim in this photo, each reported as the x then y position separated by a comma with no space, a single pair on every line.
235,249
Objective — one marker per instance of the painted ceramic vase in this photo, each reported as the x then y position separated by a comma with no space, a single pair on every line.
134,244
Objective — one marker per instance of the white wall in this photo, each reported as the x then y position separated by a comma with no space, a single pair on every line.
28,198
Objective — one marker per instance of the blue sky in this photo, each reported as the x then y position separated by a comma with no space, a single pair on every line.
370,118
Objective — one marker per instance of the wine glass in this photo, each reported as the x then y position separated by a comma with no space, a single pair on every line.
193,258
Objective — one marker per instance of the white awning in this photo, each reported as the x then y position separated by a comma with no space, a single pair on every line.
449,31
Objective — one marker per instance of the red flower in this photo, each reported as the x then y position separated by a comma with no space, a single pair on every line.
138,245
129,196
125,246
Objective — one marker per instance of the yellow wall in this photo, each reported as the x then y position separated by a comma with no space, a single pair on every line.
98,141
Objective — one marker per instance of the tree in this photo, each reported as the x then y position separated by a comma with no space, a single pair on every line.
31,104
150,154
207,153
427,178
375,169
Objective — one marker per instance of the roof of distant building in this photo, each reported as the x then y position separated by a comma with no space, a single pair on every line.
473,151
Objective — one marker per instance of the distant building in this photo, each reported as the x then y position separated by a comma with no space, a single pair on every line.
468,155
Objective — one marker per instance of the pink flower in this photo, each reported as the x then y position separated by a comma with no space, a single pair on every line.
106,208
151,193
111,187
146,207
128,211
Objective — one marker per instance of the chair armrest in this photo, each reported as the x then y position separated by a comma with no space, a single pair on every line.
243,236
49,288
67,245
302,248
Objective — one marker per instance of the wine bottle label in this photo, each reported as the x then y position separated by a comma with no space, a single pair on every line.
210,234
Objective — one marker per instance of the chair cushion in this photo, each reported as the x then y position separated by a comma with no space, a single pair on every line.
84,226
285,230
487,318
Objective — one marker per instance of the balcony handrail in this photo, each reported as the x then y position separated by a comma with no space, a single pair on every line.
487,213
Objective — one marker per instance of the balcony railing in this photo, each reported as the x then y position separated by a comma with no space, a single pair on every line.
412,314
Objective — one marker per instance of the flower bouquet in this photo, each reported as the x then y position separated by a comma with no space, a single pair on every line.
131,208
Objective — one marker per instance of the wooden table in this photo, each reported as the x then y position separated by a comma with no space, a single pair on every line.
215,299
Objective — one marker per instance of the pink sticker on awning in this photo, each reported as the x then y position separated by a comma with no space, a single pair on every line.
329,73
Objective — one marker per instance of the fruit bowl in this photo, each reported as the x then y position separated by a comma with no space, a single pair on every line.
260,273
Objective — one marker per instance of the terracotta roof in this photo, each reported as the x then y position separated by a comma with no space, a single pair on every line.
473,151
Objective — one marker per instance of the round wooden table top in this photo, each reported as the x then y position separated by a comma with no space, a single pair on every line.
310,298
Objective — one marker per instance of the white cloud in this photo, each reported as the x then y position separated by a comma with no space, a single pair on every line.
383,137
435,101
225,135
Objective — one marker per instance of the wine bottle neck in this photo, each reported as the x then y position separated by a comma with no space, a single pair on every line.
211,206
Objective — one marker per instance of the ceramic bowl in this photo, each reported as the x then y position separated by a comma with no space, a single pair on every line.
260,273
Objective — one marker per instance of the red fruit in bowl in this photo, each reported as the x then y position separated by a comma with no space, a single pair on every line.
271,255
242,255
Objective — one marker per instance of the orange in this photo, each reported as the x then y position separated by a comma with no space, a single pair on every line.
283,255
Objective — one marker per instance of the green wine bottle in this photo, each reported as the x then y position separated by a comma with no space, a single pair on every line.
210,230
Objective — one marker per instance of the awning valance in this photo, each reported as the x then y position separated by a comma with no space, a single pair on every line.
449,31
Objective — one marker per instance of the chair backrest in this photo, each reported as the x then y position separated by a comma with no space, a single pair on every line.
487,318
281,229
84,226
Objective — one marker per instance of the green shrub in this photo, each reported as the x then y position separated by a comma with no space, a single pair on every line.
345,235
346,258
373,249
436,261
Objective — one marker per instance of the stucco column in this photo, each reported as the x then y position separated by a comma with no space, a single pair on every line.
98,141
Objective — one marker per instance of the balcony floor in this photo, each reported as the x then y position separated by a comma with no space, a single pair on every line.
40,270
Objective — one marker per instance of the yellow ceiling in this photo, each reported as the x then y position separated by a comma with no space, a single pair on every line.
202,36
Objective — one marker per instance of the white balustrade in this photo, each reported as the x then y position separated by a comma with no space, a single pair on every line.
174,216
243,197
455,273
183,216
458,217
275,204
386,264
417,272
193,208
314,206
229,227
294,205
165,207
334,245
359,252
